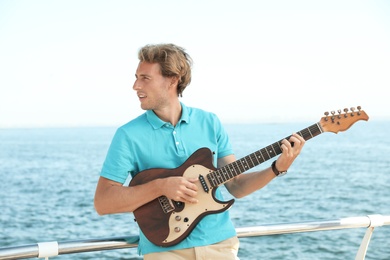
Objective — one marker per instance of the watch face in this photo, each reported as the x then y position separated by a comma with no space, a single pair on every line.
282,173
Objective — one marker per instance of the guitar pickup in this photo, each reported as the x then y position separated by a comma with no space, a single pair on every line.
203,183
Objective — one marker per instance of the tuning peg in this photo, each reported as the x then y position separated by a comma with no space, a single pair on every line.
353,110
339,111
326,115
332,117
346,111
359,108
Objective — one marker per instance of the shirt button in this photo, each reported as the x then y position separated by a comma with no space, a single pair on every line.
174,132
177,143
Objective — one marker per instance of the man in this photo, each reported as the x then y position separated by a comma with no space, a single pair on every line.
164,137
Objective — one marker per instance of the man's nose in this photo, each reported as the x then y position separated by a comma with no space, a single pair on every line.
136,85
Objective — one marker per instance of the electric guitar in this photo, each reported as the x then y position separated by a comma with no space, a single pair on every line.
166,222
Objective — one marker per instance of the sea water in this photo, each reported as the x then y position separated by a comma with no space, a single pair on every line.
48,179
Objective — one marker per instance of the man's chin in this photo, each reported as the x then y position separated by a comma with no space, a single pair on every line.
145,107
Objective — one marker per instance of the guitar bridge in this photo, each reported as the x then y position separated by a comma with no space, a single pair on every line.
165,204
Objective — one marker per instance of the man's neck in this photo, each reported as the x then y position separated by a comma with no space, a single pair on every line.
171,113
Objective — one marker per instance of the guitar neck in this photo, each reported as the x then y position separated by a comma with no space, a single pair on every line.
233,169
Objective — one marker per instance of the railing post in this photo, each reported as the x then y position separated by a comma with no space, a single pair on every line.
375,221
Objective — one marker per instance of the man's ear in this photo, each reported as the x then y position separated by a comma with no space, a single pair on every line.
174,81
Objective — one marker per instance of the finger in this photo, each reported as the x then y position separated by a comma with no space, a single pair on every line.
192,200
191,183
193,180
284,147
299,137
191,186
296,140
190,192
287,144
302,139
190,196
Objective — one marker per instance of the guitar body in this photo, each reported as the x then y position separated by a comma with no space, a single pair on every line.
165,222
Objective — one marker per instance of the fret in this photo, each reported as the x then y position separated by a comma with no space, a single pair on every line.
236,166
211,179
242,165
226,173
319,129
216,178
262,158
280,146
273,150
219,177
264,154
310,133
313,131
232,170
253,163
247,166
277,149
301,134
266,150
222,175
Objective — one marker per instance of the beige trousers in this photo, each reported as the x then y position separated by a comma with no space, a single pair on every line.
225,250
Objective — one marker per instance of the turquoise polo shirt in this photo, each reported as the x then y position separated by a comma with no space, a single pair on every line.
148,142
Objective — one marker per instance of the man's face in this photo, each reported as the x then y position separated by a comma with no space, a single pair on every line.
152,88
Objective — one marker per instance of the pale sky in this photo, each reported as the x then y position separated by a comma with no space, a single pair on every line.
72,62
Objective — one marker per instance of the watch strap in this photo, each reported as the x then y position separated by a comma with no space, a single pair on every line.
276,171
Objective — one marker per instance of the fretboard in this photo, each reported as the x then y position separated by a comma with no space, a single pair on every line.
233,169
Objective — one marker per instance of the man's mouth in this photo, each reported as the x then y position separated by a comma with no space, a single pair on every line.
141,95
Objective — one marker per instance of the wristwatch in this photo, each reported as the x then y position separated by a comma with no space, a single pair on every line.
276,171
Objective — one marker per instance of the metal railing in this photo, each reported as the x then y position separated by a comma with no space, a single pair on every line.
52,249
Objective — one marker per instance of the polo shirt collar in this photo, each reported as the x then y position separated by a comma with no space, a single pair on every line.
156,122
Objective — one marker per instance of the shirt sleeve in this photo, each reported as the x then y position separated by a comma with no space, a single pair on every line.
118,162
223,141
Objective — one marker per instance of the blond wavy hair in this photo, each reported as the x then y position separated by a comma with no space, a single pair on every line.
174,61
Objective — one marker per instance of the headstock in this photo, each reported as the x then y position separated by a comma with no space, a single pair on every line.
341,121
